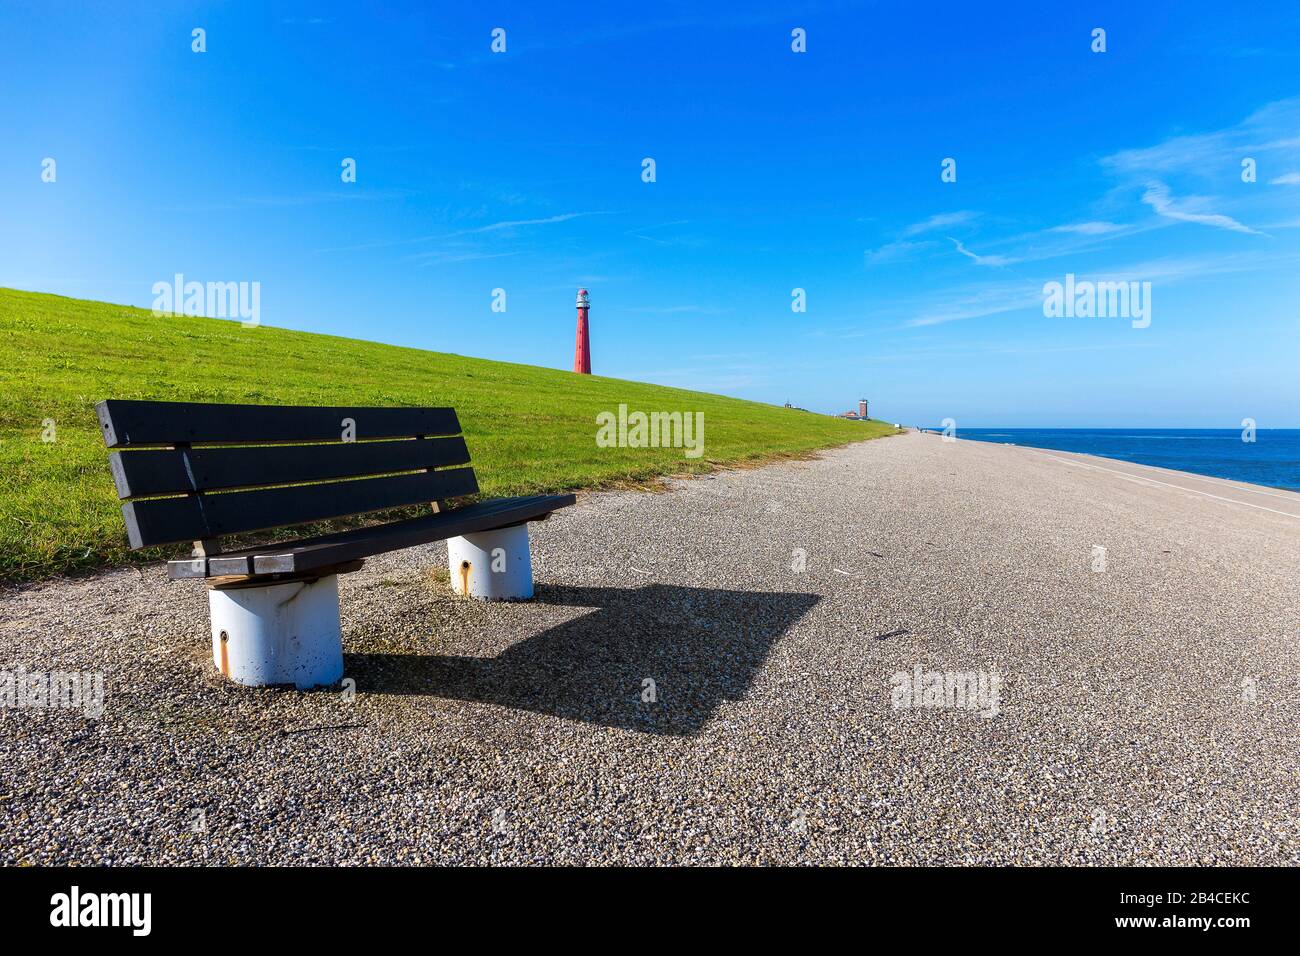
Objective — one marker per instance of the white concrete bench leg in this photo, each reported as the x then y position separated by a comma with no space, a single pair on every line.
286,633
492,565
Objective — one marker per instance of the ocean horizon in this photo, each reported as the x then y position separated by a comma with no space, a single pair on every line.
1272,459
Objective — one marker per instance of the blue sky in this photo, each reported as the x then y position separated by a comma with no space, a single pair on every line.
774,170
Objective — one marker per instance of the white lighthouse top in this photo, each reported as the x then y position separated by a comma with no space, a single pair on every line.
582,299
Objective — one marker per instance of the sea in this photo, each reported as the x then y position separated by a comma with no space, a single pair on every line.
1272,459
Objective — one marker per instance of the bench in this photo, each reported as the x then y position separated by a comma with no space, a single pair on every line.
202,473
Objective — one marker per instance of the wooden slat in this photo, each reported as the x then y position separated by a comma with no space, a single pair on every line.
126,423
194,517
306,555
326,550
143,473
238,582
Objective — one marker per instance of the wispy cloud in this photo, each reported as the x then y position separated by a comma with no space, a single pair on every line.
518,223
1089,228
1033,246
986,300
895,251
1201,178
688,241
1264,135
995,260
944,220
1170,269
1158,198
989,299
503,226
439,258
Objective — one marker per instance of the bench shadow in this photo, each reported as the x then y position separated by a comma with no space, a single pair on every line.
699,646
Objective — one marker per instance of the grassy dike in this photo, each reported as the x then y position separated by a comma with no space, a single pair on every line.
529,429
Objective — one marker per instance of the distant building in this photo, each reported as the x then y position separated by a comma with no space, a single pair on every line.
860,415
582,345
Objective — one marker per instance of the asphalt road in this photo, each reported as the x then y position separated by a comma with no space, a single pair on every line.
1135,704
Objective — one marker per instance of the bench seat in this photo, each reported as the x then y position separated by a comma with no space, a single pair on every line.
212,475
328,550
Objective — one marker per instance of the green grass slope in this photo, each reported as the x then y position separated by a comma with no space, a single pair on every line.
529,429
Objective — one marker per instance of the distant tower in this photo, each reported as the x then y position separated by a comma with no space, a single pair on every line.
582,349
862,408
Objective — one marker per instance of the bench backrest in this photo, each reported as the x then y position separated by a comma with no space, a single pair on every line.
231,469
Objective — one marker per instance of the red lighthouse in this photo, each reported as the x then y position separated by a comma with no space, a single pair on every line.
582,349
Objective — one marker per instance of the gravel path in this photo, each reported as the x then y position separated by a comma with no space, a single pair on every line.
1145,713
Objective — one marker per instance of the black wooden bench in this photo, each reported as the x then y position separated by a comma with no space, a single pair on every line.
192,472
